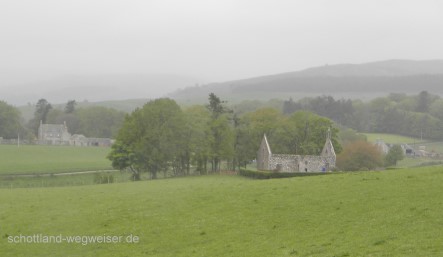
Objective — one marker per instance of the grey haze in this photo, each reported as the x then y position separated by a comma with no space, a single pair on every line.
56,45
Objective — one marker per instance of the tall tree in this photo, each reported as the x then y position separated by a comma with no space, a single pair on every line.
196,134
221,137
150,139
42,109
10,124
41,112
216,106
394,155
70,106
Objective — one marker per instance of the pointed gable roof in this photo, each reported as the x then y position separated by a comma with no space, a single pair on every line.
328,149
265,145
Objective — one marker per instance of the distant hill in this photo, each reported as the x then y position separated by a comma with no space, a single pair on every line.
359,81
93,88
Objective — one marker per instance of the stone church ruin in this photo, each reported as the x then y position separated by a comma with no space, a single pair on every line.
266,160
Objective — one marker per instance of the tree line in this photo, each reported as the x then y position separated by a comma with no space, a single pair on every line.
409,115
162,137
93,121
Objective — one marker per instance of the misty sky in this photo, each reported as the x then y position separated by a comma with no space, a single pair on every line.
208,39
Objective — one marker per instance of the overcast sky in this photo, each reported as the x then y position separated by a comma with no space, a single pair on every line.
213,40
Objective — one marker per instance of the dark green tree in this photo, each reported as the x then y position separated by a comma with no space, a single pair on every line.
10,125
216,106
394,155
196,132
151,138
42,109
221,136
41,112
70,106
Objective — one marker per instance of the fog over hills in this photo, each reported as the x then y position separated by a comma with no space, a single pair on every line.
358,81
97,87
390,68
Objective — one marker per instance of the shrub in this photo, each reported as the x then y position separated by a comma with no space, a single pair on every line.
395,154
269,174
359,155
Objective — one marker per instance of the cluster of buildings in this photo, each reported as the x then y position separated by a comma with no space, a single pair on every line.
57,134
408,150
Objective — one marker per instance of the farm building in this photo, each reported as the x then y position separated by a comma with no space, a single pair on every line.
53,134
57,134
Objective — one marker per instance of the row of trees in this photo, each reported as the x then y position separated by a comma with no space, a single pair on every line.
93,121
417,116
161,137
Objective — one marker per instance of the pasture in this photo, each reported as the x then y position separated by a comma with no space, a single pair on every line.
393,139
38,159
383,213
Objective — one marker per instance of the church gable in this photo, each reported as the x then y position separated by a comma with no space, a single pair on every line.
264,154
328,149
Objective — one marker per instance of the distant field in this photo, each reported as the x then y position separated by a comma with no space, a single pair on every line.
392,139
434,146
49,159
62,180
386,213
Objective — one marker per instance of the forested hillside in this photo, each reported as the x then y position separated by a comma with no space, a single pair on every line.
419,115
356,81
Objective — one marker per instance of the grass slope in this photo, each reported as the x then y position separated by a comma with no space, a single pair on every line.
50,159
389,213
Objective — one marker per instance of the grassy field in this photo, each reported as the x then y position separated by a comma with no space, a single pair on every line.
393,139
28,159
386,213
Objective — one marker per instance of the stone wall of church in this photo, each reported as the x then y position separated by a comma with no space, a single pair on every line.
283,163
301,163
313,163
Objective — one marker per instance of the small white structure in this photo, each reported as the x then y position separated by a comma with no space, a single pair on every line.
382,146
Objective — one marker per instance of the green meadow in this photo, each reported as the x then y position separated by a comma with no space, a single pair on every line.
35,159
393,139
382,213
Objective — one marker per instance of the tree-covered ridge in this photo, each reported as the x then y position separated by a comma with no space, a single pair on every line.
409,115
417,115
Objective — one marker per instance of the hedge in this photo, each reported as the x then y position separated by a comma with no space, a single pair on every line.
269,174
